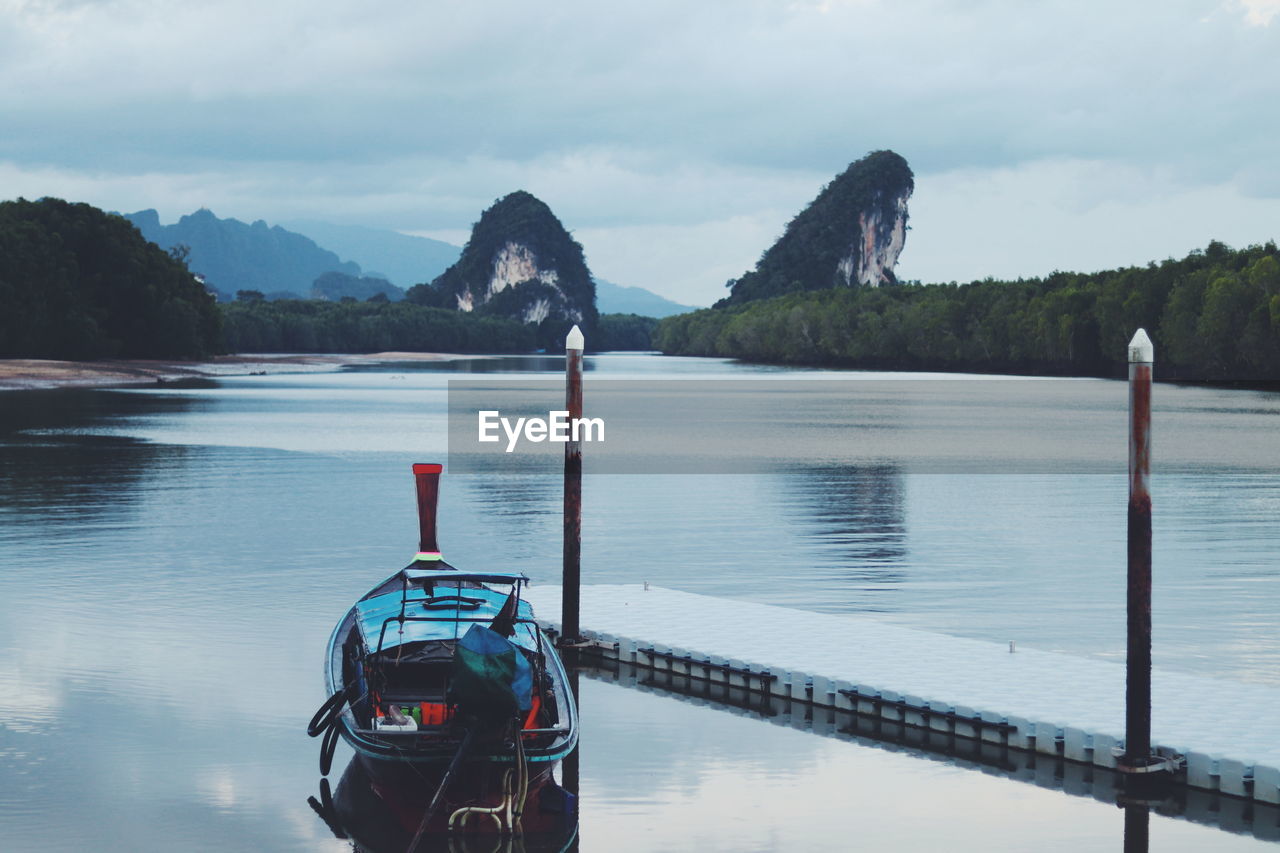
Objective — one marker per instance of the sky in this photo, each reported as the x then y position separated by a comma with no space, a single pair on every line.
675,140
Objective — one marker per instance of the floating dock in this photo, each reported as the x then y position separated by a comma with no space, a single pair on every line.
1224,735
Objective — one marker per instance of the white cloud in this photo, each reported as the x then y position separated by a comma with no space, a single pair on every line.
637,122
1070,215
686,263
1258,13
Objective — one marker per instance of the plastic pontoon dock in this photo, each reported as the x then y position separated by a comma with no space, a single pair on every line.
1227,733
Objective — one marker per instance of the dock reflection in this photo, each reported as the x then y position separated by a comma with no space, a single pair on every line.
1230,814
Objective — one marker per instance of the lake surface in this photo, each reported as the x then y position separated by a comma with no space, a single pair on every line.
173,559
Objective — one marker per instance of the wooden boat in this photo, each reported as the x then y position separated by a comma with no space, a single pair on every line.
453,698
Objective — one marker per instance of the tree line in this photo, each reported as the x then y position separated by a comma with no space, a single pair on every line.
78,283
252,324
1214,314
303,325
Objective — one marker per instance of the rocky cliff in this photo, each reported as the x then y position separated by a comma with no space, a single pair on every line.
851,234
519,262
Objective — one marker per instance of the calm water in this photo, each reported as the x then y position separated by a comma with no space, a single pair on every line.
172,560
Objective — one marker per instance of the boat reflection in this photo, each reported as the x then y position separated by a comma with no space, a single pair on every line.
379,821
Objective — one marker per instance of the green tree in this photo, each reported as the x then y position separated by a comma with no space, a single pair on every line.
1215,314
79,283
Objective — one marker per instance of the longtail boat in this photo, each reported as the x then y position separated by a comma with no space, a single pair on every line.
451,695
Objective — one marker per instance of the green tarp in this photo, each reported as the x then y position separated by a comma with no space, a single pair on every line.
491,677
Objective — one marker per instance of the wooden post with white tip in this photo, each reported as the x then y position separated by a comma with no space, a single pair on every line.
570,630
1137,753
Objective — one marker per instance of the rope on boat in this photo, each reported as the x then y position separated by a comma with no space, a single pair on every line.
444,783
328,713
327,748
509,811
325,722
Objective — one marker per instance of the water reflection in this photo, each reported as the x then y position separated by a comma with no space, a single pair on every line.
867,774
857,515
172,561
482,365
57,473
74,410
376,821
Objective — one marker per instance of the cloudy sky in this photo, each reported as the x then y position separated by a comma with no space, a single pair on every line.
674,139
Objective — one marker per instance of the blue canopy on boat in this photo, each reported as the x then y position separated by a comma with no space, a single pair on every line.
444,614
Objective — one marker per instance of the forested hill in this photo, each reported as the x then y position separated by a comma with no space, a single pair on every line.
1214,314
519,263
78,283
233,256
852,233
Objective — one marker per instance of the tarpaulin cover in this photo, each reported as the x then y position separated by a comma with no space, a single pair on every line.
491,677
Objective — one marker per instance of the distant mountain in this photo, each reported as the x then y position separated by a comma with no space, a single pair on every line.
402,259
233,256
406,260
851,234
286,260
617,299
333,286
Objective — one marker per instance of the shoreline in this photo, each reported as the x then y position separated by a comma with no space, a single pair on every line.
34,374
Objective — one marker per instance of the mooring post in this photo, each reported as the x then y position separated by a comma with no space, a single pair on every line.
1137,741
570,631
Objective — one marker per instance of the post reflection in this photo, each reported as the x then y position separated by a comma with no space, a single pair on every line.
1137,828
1138,795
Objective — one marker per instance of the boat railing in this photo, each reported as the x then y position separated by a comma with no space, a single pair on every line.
432,730
382,634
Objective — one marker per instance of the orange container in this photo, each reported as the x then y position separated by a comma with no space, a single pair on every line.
435,713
